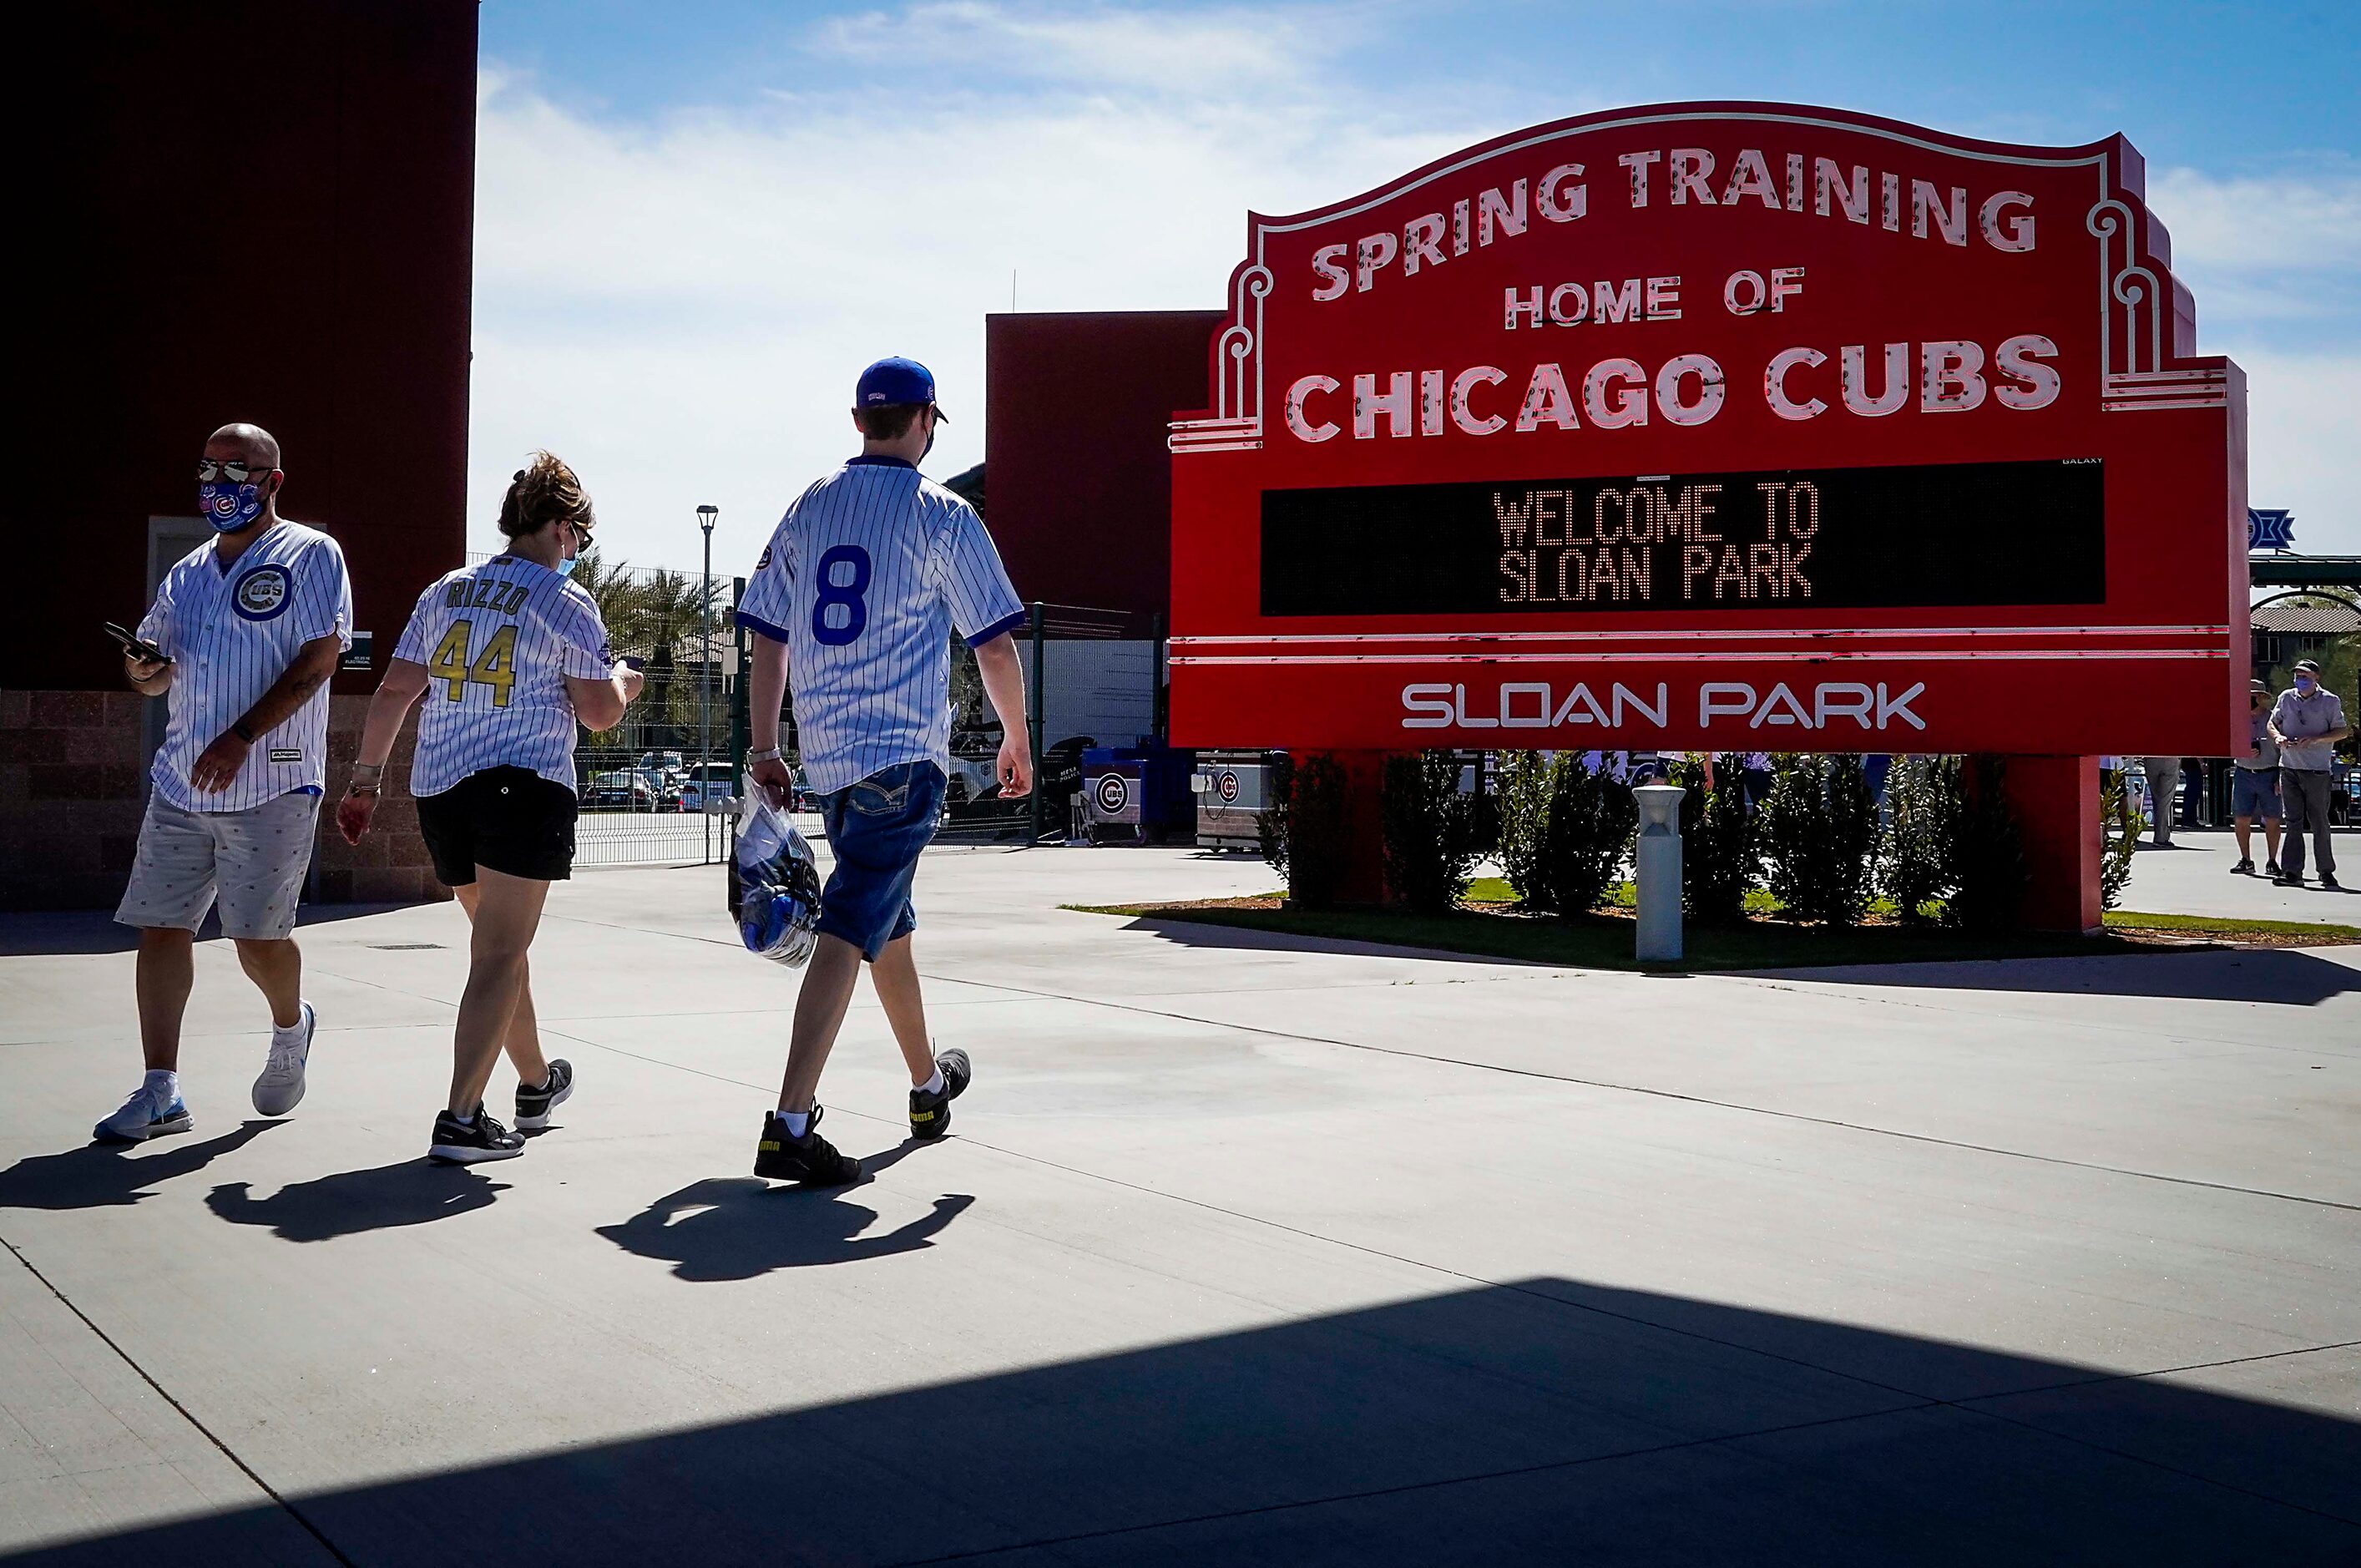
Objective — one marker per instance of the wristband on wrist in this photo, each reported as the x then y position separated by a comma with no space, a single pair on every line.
771,754
243,731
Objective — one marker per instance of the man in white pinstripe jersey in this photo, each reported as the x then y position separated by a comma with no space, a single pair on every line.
868,575
251,625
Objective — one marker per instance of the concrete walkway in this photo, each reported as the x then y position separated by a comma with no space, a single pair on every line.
1243,1251
2193,877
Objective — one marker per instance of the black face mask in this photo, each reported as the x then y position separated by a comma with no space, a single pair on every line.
934,428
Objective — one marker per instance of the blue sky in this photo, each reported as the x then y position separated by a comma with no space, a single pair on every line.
697,220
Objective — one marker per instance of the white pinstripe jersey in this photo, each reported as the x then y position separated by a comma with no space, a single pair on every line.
230,636
498,640
865,578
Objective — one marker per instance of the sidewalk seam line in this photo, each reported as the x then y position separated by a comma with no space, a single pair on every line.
1610,1085
185,1413
1924,1400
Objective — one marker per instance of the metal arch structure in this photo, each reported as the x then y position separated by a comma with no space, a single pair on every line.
2335,576
2349,597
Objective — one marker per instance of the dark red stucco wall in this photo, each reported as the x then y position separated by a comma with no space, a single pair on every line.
245,209
1079,482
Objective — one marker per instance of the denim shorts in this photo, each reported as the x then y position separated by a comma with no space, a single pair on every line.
2254,792
875,830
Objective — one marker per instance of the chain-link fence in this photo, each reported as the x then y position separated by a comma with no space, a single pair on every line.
646,784
1091,679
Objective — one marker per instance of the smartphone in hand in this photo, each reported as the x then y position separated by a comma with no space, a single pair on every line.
134,646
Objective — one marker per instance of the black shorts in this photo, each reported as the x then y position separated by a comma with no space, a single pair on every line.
508,820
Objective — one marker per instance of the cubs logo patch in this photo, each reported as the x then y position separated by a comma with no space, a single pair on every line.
263,593
764,564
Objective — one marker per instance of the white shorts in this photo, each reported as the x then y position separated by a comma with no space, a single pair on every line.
254,860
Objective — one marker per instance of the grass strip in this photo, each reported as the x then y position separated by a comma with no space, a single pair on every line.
1603,941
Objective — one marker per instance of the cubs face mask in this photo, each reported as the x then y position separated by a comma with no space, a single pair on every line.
230,506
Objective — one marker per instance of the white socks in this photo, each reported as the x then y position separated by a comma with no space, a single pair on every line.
798,1122
293,1032
163,1087
933,1085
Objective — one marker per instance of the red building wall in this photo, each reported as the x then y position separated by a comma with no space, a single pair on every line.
248,209
1079,482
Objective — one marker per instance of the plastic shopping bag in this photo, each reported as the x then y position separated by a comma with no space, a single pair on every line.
777,884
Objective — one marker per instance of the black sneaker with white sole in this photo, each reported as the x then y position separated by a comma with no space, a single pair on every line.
470,1142
810,1159
533,1106
930,1114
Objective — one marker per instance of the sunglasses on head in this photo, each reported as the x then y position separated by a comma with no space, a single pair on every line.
236,471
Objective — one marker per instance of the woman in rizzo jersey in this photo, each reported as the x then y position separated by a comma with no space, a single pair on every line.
511,657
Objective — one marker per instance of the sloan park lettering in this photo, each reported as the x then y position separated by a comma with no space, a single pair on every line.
1911,535
1867,707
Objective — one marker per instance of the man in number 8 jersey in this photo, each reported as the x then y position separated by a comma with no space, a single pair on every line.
508,656
856,600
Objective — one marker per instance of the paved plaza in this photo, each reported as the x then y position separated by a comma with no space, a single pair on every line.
1244,1250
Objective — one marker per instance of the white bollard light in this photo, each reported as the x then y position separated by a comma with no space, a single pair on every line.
1659,871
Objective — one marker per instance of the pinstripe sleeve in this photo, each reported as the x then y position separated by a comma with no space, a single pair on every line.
583,650
983,604
323,599
156,626
768,604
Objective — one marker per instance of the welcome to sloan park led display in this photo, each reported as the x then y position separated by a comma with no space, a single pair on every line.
1716,425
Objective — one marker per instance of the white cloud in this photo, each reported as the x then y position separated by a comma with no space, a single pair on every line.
1216,49
2304,415
2265,249
681,309
2271,261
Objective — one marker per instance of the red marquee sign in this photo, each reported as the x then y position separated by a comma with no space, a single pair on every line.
1716,425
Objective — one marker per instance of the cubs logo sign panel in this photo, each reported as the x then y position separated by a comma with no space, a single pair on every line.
1727,425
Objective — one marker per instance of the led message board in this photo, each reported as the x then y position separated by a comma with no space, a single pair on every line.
1946,534
1735,425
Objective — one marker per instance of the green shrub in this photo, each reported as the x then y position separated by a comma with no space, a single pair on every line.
1915,860
1986,856
1302,829
1587,835
1433,834
1719,861
1564,831
1524,822
1820,829
2123,826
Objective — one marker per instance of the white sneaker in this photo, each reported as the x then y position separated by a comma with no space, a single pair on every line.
142,1117
280,1087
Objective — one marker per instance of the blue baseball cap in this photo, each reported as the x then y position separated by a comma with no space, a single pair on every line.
895,380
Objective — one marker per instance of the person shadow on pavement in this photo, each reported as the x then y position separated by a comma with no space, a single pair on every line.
386,1197
726,1228
107,1176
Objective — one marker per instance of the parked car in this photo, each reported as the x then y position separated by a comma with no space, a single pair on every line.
626,788
705,781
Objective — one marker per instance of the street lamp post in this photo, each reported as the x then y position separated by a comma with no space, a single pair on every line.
707,516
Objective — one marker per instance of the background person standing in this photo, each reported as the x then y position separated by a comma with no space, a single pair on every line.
2306,723
251,625
2254,786
2163,798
